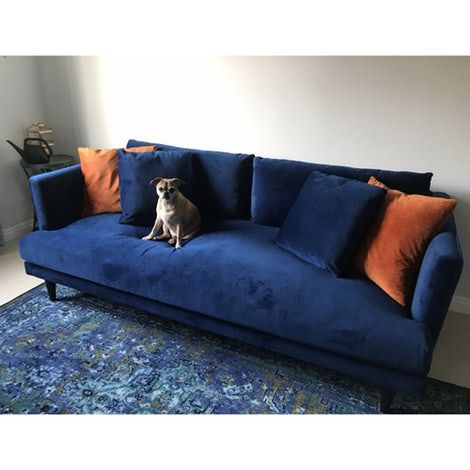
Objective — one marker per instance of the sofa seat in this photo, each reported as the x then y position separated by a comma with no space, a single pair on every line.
234,271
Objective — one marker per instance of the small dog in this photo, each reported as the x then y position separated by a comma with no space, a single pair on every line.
178,216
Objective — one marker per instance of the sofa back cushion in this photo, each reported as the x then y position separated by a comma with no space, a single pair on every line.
222,181
277,183
138,198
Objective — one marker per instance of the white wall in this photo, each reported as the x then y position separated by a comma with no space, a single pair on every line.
21,104
394,113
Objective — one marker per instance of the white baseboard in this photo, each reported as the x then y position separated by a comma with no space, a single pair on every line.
460,304
16,231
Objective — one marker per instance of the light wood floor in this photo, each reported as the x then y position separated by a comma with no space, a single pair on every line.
451,357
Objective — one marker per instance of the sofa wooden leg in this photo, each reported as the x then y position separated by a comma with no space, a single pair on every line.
51,290
386,399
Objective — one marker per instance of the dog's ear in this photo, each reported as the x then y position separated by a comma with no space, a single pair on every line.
177,182
155,181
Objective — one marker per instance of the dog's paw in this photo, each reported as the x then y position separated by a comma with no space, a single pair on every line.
177,246
172,241
148,237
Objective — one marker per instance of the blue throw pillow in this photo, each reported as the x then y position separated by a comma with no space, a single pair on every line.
328,219
138,199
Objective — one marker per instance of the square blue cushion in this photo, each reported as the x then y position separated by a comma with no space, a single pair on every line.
328,220
222,181
138,199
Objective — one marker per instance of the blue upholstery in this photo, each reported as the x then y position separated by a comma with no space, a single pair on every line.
236,272
439,273
390,379
233,279
222,181
56,208
328,220
276,184
138,198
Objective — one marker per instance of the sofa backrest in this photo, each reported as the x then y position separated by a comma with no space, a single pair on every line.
221,181
239,186
276,184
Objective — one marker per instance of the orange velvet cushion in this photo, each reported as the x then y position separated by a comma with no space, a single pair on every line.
101,179
392,251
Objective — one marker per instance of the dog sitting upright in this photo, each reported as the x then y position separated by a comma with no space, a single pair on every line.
178,216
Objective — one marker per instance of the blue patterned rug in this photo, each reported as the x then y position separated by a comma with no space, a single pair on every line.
86,355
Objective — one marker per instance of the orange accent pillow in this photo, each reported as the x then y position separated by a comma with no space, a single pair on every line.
392,251
101,179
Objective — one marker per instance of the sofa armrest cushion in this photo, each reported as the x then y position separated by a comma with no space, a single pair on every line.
438,276
57,197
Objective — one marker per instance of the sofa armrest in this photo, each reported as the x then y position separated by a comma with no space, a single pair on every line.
57,197
438,276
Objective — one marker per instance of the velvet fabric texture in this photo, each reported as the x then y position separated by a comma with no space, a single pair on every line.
100,175
391,252
222,181
276,184
234,280
234,271
438,275
57,207
138,198
328,220
57,197
389,379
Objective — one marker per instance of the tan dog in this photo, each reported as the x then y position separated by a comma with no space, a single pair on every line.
178,216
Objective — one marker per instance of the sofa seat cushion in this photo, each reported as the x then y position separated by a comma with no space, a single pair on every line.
235,271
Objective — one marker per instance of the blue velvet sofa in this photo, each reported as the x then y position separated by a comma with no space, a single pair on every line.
235,281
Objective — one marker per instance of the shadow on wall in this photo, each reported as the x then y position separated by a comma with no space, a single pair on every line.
74,91
21,103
